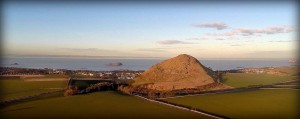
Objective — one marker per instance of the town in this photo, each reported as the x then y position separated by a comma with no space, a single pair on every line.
115,74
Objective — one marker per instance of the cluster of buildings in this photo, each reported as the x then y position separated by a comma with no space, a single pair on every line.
127,75
252,70
267,70
118,74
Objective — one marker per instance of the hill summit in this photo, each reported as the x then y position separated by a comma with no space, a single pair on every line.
180,72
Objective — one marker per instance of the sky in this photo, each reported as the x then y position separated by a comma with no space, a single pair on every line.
201,29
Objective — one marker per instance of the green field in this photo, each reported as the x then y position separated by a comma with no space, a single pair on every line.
11,89
46,76
279,103
291,70
246,79
107,104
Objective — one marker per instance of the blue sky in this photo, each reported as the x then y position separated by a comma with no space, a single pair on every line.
250,30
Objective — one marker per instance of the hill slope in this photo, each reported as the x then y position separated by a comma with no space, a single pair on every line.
180,72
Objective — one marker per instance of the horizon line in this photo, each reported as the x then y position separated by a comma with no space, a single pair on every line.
134,57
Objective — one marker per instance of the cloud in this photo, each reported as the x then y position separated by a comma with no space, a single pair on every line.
165,48
267,30
90,51
202,38
171,42
217,25
247,32
160,49
220,38
282,41
235,45
151,50
213,34
85,49
227,38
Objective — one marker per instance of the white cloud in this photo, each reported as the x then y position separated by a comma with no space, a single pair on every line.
283,41
267,30
171,42
202,38
151,50
236,45
220,38
217,25
91,52
85,49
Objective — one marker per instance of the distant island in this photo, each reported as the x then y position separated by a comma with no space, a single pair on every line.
15,64
115,64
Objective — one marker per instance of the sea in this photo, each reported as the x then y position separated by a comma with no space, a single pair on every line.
101,64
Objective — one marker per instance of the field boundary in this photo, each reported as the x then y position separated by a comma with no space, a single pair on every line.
7,102
241,89
217,92
182,108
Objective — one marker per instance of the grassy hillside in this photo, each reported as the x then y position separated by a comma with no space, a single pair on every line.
282,104
246,79
94,105
182,68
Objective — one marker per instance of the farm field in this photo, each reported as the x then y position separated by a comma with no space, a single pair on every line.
16,88
291,70
107,104
33,76
245,79
278,103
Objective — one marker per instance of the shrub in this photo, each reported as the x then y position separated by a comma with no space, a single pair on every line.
130,82
125,89
223,79
71,91
152,94
169,94
162,94
81,84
